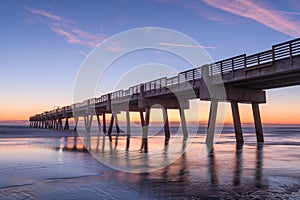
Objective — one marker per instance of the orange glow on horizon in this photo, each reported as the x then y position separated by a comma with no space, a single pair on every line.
271,113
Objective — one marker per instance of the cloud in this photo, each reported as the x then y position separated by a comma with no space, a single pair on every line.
185,45
248,9
113,47
67,28
45,14
286,12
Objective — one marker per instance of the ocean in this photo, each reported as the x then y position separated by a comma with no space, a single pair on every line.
52,164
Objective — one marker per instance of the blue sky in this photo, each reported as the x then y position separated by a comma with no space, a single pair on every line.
43,43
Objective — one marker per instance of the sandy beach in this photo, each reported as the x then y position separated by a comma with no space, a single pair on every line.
36,164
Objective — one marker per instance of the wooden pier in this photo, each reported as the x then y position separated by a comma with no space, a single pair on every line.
244,79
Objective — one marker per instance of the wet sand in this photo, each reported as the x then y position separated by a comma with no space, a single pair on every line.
49,164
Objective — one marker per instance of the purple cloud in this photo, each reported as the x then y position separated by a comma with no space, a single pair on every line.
67,28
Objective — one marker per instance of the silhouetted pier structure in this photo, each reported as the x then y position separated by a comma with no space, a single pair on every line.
244,78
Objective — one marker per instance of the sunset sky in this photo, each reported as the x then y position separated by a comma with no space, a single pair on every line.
44,43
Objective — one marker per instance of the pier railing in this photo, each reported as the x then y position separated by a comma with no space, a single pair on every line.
285,50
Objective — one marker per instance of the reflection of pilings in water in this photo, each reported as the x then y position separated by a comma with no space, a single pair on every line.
103,143
65,143
98,143
238,164
183,162
259,165
212,172
71,144
75,143
180,161
166,168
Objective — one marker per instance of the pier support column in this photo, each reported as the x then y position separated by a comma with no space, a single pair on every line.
104,123
110,126
54,124
117,129
211,124
66,124
183,124
145,124
50,124
99,123
128,130
237,122
166,126
88,123
60,126
76,123
257,122
57,123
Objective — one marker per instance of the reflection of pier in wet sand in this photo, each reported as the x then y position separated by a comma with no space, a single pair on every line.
102,145
245,80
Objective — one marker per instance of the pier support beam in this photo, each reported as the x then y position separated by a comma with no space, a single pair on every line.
237,122
183,124
211,123
166,126
257,122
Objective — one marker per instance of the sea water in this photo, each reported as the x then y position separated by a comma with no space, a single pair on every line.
50,164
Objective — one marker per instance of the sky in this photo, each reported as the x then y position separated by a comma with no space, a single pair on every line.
44,43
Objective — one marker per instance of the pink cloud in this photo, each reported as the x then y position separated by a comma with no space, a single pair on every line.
198,8
71,38
45,14
68,28
286,12
113,47
251,10
184,45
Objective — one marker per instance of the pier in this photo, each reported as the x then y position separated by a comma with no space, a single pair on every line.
245,79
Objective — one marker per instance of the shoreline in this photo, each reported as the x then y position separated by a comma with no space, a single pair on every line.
19,131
